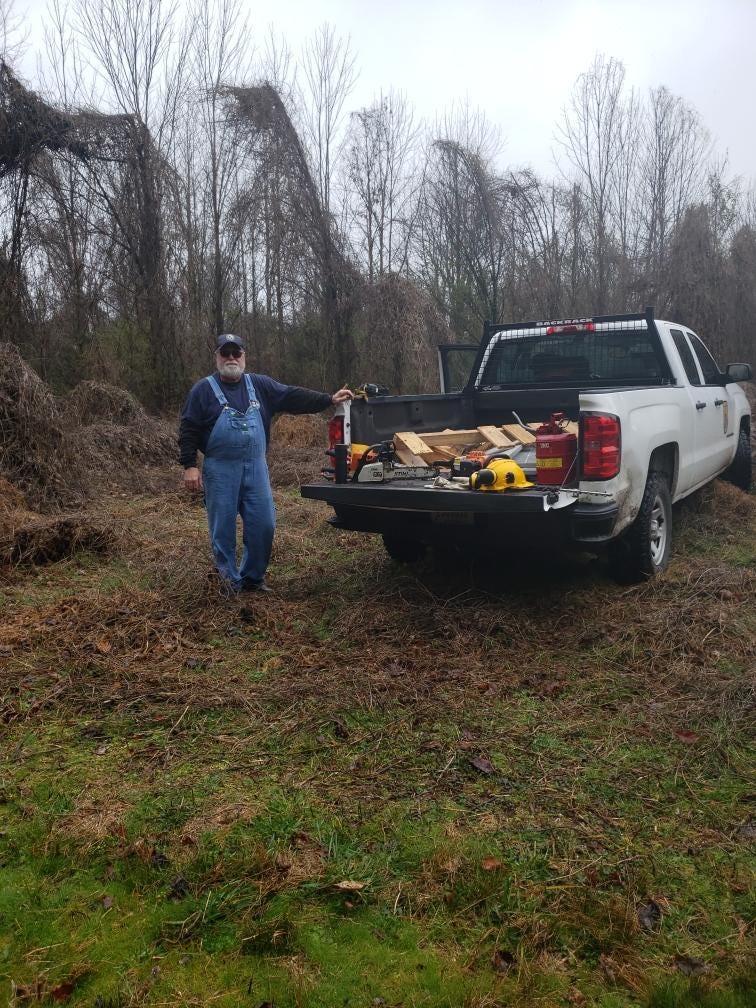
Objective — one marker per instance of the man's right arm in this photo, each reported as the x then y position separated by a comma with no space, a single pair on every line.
191,428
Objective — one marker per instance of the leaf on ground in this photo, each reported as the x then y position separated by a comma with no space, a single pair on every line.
690,966
686,736
103,646
349,885
502,961
649,915
490,864
107,902
482,764
63,991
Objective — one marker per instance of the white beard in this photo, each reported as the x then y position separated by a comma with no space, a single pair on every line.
231,370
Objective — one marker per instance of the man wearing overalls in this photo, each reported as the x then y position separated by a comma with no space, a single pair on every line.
227,417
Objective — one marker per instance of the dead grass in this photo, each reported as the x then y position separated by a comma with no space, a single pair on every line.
409,641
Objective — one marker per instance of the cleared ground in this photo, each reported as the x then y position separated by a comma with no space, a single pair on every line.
501,783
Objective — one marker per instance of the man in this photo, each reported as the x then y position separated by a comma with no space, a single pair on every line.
227,417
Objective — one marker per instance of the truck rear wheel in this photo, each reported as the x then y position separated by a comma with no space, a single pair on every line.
642,552
740,470
403,549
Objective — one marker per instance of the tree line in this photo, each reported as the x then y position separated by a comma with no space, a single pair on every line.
169,177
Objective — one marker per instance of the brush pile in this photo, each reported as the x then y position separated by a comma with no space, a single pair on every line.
60,452
34,455
56,454
108,427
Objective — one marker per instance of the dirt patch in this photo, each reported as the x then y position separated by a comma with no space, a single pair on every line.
216,820
94,821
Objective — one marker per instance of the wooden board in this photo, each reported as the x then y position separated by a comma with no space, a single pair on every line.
496,437
518,433
412,442
403,446
456,438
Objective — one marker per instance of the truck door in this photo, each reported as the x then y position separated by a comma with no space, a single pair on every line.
455,362
690,436
716,428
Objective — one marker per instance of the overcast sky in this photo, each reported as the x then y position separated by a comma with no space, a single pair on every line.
518,59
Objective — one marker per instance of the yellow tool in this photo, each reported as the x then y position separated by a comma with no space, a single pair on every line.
500,474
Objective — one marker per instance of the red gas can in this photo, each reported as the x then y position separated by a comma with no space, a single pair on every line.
556,451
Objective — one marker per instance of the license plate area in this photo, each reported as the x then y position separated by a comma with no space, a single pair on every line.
452,518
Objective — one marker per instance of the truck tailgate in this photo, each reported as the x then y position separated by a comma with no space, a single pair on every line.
412,495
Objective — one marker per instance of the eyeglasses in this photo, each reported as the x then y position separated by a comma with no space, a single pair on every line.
233,352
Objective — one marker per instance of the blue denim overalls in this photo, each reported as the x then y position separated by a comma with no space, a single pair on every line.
236,481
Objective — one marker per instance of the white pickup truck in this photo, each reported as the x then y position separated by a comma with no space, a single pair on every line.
657,419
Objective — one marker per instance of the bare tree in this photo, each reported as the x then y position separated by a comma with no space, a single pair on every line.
221,56
461,245
672,176
13,37
597,134
380,148
330,75
140,53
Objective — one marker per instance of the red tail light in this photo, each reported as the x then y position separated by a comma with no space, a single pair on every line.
335,431
601,446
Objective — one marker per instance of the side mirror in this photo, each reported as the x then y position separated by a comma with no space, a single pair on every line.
739,372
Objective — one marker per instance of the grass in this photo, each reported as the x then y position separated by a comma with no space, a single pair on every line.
384,787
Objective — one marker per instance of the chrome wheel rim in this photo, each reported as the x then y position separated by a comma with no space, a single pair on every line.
658,531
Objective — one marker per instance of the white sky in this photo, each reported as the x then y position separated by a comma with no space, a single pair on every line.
518,59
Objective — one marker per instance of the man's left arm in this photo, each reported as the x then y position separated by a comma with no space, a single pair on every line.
293,399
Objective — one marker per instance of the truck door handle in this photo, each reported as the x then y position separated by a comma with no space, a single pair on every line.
700,405
719,402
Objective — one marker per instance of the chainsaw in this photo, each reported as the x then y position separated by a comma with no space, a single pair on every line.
384,468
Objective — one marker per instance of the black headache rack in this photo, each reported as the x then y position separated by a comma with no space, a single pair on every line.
492,329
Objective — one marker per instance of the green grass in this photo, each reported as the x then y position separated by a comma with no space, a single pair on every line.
248,836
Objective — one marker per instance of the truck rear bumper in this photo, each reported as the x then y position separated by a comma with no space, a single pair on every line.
593,523
416,511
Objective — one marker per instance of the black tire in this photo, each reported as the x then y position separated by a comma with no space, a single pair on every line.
642,552
740,470
403,549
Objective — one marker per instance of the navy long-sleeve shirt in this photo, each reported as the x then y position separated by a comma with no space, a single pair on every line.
202,409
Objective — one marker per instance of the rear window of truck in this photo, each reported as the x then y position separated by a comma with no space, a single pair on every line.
627,357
